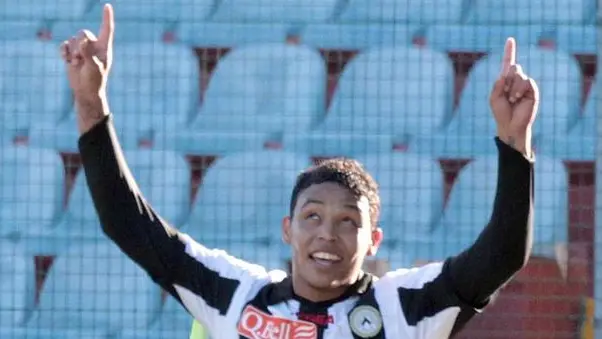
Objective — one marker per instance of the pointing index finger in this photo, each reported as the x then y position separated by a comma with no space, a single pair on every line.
509,58
105,35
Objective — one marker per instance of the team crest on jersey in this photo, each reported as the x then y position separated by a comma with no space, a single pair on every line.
255,324
365,321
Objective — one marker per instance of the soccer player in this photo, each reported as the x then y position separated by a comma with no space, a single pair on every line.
332,227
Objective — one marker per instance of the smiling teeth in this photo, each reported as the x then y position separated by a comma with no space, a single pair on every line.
326,256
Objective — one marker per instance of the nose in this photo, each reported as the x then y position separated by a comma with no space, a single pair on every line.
327,231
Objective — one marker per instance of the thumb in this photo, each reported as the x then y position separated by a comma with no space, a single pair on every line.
498,88
87,41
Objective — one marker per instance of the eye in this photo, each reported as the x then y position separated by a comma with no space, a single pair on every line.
348,221
312,216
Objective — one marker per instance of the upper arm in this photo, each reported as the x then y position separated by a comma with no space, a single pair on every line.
426,302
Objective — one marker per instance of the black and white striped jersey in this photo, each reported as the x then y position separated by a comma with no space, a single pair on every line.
249,302
235,299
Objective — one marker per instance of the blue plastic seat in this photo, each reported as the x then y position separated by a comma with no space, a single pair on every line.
358,36
411,193
163,178
154,89
282,11
173,322
244,197
424,12
33,86
94,289
580,143
16,29
45,10
209,34
32,190
548,12
471,131
256,94
471,202
481,38
133,31
581,39
381,101
17,285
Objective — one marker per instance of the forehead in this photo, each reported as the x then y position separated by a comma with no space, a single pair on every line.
333,194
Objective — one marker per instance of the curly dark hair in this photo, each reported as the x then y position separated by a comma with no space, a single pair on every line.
348,173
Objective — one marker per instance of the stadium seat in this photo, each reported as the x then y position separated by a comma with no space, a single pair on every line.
173,322
19,29
423,12
275,11
95,290
153,90
547,12
472,129
581,141
32,190
471,202
358,36
411,193
163,178
31,69
207,34
244,197
45,10
481,38
381,101
128,32
577,39
17,285
256,94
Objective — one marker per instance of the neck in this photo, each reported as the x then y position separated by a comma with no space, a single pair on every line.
303,289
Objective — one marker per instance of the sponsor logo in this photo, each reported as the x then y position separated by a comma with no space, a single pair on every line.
255,324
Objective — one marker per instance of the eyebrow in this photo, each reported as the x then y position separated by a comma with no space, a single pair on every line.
319,202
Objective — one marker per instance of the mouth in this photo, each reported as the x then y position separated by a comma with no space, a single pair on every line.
325,259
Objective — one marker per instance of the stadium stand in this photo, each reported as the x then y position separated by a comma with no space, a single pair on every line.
21,61
71,305
379,103
163,177
469,133
199,79
247,103
32,190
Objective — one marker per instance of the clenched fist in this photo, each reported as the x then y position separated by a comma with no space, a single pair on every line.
514,101
88,60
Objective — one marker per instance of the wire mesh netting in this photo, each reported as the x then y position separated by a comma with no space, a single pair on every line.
219,104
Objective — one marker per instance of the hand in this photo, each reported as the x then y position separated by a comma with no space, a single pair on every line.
88,60
514,101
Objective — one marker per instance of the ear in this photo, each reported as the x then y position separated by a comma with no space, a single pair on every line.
377,238
286,230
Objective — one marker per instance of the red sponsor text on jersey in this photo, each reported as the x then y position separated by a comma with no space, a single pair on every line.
255,324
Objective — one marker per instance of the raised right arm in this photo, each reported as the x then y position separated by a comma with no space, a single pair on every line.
205,281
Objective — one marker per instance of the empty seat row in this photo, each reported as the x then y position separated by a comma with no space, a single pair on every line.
276,93
243,198
304,11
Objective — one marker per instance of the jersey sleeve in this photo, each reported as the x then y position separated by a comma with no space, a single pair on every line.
209,283
424,302
438,299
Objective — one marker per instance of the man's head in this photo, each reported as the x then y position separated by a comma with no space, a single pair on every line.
333,224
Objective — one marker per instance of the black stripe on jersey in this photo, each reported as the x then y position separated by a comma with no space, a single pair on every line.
432,298
367,299
214,289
